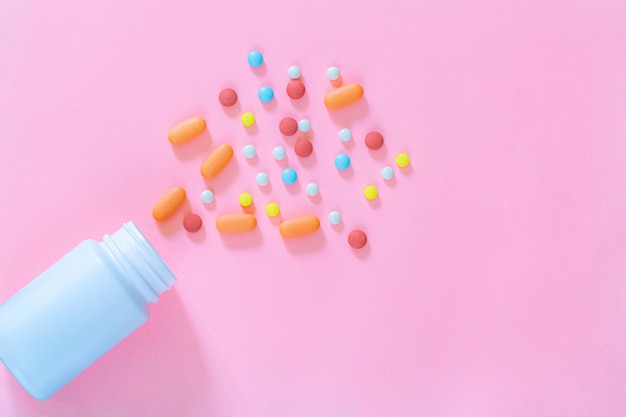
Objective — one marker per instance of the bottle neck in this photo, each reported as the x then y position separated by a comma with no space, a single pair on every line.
142,264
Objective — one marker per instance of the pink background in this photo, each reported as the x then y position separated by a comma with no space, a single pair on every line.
494,281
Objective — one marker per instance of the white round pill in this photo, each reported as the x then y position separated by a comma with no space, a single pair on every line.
294,72
333,73
345,134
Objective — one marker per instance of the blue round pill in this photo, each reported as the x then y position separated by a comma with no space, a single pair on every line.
342,161
333,73
255,59
289,176
294,72
207,196
266,94
312,189
304,125
334,217
279,153
249,151
345,134
262,179
387,173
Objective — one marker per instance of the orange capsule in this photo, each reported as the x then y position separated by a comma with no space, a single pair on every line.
236,223
186,131
169,203
299,226
216,161
343,96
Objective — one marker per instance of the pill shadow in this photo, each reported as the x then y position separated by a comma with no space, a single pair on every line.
270,105
300,103
347,173
199,236
375,203
251,130
349,144
362,253
260,70
308,161
338,227
379,154
266,189
337,83
391,182
138,376
253,161
193,148
407,170
347,115
294,188
175,223
240,241
233,111
228,174
316,199
306,244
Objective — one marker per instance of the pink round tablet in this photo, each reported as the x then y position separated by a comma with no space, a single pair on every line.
303,147
357,239
192,223
374,140
295,89
228,97
288,126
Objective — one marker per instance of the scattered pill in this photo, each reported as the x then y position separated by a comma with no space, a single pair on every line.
228,97
312,189
249,151
262,179
304,125
334,217
345,134
216,161
357,239
192,223
255,59
186,130
333,73
169,203
299,226
387,173
279,153
289,176
296,89
402,160
294,72
236,223
303,147
266,94
370,192
342,162
272,209
374,140
245,199
288,126
207,196
343,96
247,119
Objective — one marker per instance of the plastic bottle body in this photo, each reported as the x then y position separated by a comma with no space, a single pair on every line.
77,310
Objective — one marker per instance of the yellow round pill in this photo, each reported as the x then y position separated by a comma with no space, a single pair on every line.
370,192
247,119
402,160
245,199
272,209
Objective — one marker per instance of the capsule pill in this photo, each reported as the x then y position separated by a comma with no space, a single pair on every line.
343,96
186,130
216,161
169,204
299,226
236,223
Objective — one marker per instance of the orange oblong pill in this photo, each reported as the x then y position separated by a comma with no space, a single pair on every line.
169,203
299,226
343,96
236,223
216,161
187,130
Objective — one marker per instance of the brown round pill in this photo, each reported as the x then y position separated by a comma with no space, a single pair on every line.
303,147
374,140
192,223
357,239
288,126
296,89
228,97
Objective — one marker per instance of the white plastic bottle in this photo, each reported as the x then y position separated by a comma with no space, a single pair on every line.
79,308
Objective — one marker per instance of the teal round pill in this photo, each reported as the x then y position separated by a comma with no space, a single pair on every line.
249,151
289,176
255,59
345,134
262,179
304,125
266,94
294,72
342,162
312,189
333,73
334,217
387,173
279,153
207,196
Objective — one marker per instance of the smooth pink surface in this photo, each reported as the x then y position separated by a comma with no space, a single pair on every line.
493,283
